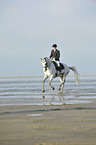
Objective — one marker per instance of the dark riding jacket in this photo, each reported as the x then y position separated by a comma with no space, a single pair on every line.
55,54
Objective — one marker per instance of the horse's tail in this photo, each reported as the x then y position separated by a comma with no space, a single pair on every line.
76,74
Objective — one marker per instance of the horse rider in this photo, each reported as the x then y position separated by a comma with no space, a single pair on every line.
55,56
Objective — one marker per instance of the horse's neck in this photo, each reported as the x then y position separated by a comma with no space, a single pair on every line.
50,65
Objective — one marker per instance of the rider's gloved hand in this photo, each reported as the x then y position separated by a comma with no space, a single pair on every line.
53,59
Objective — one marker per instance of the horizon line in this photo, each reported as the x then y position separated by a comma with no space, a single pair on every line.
42,76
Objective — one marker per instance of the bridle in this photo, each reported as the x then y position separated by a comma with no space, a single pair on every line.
46,65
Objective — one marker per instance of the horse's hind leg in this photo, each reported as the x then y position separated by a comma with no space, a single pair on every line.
61,80
63,83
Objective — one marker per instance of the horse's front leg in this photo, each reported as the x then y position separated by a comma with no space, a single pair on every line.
51,81
59,88
45,78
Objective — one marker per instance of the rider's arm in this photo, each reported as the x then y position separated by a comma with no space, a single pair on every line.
51,55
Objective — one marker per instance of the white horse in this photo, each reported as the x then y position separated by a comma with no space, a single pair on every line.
50,71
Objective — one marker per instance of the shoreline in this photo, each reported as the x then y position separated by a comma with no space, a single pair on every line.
15,109
42,76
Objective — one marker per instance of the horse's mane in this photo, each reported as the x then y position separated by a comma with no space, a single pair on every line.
46,58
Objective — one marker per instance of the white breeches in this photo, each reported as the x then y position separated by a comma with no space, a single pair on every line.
58,63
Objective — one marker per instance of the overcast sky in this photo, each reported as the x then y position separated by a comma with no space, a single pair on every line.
28,28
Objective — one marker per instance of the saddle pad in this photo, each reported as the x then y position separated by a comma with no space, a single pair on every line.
56,66
62,66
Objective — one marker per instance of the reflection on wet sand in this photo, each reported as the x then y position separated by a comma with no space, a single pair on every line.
63,100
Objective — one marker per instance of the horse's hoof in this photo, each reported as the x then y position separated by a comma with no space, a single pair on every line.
43,91
53,88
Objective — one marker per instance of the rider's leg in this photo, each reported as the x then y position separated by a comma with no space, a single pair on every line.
58,63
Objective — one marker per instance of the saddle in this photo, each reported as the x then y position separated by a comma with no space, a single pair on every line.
56,66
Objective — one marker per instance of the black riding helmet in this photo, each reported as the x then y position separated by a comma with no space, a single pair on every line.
54,45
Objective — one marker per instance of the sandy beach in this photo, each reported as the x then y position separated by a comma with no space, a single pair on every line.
57,125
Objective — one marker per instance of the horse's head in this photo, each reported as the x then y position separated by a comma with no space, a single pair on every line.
45,62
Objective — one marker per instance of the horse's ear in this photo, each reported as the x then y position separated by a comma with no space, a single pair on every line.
41,58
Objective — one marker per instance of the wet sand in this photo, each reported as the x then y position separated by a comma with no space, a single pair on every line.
59,125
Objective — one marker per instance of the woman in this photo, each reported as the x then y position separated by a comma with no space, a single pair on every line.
55,55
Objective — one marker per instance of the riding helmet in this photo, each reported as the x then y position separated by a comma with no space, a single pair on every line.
54,45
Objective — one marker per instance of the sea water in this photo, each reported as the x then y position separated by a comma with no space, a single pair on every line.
28,91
